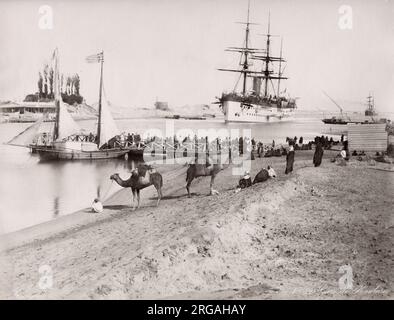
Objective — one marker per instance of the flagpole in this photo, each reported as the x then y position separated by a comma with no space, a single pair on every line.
56,98
99,109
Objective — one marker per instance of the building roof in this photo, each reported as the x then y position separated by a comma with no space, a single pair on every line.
27,105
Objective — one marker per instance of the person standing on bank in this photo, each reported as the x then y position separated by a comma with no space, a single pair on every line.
290,160
317,157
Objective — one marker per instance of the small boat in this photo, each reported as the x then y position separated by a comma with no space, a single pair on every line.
368,117
175,116
67,141
194,118
335,120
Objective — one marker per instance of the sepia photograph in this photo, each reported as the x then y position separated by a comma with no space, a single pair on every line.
198,150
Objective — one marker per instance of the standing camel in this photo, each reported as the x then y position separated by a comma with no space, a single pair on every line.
141,177
201,170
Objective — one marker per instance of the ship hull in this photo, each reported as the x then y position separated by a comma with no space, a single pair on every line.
48,154
330,121
359,120
83,151
78,151
235,111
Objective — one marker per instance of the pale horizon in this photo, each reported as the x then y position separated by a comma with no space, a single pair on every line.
171,49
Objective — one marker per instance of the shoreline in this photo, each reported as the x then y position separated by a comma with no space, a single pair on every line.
285,238
74,220
84,216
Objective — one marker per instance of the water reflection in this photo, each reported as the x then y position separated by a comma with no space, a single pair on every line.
34,192
98,192
56,207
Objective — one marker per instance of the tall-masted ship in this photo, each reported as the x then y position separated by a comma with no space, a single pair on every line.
262,103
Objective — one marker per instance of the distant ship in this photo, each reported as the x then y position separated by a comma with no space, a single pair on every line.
257,105
161,105
370,111
370,114
335,120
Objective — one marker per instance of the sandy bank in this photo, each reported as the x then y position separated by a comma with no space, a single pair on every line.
78,219
285,238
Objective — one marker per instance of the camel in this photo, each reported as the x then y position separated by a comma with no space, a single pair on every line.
141,177
202,170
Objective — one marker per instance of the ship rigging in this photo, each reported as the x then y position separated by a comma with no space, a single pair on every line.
259,104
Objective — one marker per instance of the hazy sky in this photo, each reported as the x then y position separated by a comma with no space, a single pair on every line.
171,49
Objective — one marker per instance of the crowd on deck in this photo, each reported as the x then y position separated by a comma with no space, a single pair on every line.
123,140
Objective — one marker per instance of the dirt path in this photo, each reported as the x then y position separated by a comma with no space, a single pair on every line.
285,238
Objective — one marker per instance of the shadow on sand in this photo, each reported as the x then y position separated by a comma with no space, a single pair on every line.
169,197
116,207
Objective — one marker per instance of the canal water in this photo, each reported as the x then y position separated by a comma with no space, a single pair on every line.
32,192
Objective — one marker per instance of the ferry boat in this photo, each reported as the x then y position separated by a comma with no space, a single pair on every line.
67,142
370,114
262,103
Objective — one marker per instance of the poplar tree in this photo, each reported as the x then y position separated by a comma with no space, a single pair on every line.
39,83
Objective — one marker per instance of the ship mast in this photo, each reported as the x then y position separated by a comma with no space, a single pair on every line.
280,67
245,65
245,51
370,101
266,73
57,94
267,60
101,57
57,118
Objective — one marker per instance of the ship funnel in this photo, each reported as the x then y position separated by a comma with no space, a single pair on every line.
256,85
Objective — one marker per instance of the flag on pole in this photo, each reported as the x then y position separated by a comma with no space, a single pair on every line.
94,58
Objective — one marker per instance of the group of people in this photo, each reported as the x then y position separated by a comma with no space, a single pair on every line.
43,139
294,140
205,144
261,176
244,144
123,140
275,150
321,144
83,137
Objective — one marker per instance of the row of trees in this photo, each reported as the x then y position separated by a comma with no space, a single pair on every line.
69,85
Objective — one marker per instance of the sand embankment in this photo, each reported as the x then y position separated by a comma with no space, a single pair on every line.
285,238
